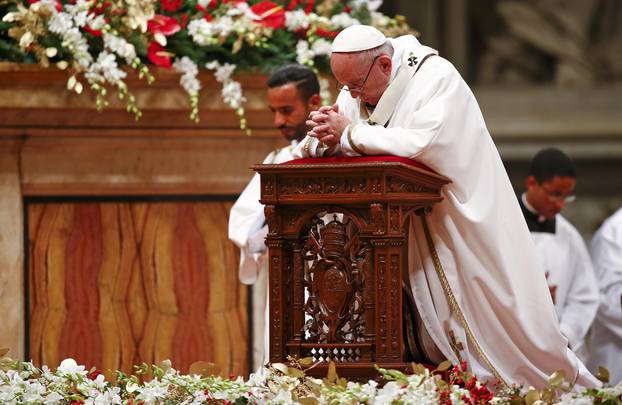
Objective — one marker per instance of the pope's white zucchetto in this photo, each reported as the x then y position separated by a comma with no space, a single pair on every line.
358,38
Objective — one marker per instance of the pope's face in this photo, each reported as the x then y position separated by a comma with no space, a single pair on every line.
290,111
550,196
366,81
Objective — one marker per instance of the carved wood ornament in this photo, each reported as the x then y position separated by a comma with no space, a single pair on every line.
338,252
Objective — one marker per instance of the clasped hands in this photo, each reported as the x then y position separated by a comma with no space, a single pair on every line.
327,124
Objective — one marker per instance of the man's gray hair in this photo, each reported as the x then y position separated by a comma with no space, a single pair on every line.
369,54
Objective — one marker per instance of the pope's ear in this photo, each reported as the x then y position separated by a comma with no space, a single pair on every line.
385,63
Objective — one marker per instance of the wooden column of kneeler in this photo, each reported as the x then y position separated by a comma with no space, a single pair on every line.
337,244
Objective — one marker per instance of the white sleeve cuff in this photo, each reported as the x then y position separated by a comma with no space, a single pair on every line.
348,147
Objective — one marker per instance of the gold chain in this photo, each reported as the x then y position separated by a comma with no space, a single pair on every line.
453,303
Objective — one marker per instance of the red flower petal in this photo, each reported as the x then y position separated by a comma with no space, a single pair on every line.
158,56
170,5
162,24
272,15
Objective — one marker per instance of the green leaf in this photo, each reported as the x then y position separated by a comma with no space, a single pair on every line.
444,366
557,378
532,396
204,368
295,372
308,401
306,361
418,369
603,374
332,376
281,367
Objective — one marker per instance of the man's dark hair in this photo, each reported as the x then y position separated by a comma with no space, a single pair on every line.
305,80
549,163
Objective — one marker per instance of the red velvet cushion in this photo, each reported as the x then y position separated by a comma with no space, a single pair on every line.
358,159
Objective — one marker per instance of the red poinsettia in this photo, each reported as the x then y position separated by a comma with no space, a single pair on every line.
170,5
162,24
272,15
158,55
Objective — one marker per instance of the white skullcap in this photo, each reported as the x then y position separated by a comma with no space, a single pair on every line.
357,38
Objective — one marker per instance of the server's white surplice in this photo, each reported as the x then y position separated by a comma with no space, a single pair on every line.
566,263
606,342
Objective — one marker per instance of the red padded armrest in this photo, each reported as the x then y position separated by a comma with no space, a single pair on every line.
358,159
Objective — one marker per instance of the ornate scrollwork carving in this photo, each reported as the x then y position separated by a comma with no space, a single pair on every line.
272,220
378,219
268,187
334,278
394,218
324,185
396,185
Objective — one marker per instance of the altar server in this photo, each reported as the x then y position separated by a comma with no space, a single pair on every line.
563,256
606,340
293,92
474,274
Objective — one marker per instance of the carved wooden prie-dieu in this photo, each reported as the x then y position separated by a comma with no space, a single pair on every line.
337,245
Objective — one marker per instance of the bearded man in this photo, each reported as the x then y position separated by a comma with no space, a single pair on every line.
293,92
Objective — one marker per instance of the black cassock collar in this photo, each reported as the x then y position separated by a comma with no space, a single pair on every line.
535,222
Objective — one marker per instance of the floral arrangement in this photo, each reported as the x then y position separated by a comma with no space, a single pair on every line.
99,41
70,383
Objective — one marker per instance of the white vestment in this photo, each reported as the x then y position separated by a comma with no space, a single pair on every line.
478,229
606,341
247,229
566,262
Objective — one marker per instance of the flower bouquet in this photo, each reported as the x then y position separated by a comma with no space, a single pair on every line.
278,383
98,42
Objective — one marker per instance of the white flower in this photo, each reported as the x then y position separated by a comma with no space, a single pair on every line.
48,6
81,18
387,394
297,19
371,5
283,397
26,39
224,72
572,399
33,392
152,391
60,23
189,72
321,47
69,366
96,23
243,9
121,47
343,20
202,32
304,55
131,387
379,19
52,398
106,67
224,26
11,17
232,94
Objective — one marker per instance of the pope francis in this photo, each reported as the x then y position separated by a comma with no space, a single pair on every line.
472,265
